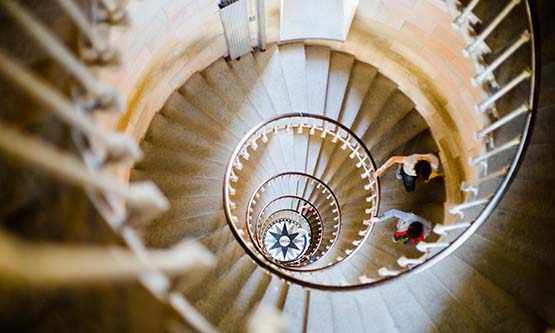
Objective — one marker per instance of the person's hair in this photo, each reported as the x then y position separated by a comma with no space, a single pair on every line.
423,169
415,230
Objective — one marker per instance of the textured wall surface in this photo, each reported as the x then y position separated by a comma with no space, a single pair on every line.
411,41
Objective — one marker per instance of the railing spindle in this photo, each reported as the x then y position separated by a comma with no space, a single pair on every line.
105,95
459,209
469,50
118,146
487,74
102,51
523,109
466,15
501,92
514,142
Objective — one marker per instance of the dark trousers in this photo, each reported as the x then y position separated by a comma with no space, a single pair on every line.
408,181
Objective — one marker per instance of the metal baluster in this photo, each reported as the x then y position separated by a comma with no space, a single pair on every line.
105,95
190,313
153,280
442,230
336,136
487,74
404,261
325,132
367,173
490,28
62,265
523,109
143,197
501,92
301,125
361,162
355,152
458,209
500,149
118,146
113,12
370,198
425,247
102,52
365,279
388,272
368,186
466,15
472,186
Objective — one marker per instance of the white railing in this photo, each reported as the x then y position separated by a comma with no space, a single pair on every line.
329,207
504,156
120,203
353,153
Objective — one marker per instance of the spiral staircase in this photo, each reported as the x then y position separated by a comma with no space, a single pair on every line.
266,162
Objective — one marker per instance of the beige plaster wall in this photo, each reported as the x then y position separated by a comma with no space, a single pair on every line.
410,41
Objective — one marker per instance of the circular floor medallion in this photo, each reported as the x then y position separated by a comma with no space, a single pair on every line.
285,240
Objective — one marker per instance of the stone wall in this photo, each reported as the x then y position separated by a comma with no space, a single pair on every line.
411,41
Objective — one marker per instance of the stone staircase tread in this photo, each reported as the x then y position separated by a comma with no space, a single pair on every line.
491,260
507,229
338,78
394,109
180,110
293,64
204,97
378,93
164,132
219,76
346,314
269,66
360,80
163,235
294,308
317,67
372,308
434,297
408,315
253,85
405,130
508,314
320,312
245,302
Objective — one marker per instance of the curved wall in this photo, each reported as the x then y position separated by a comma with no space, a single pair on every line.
410,41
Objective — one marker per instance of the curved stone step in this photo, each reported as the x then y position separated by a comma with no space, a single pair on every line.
220,77
317,67
346,314
508,315
245,302
378,93
180,110
531,285
205,98
338,78
254,86
407,313
293,63
396,107
360,80
435,298
269,66
294,308
166,133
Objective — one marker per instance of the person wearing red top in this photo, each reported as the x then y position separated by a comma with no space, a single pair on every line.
410,227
